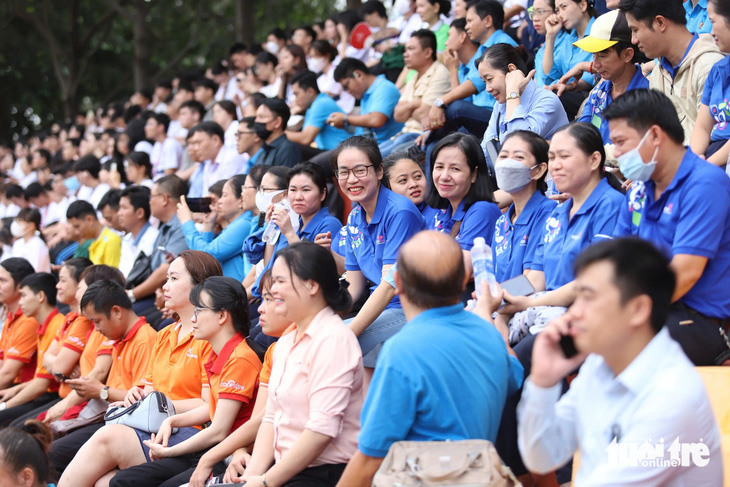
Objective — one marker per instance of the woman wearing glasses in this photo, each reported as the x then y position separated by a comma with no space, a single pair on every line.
539,13
175,369
376,228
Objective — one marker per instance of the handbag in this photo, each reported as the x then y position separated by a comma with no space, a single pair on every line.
141,270
467,463
92,413
146,415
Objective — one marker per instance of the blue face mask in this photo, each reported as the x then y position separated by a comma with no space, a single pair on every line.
633,167
72,183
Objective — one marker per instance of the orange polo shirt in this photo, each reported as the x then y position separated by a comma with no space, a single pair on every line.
131,356
46,335
73,335
265,374
177,365
234,375
19,341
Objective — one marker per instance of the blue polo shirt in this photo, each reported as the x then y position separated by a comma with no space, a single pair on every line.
477,221
227,247
566,55
673,70
432,376
321,222
697,20
328,137
555,74
716,95
692,216
600,97
514,244
564,237
482,98
372,245
382,96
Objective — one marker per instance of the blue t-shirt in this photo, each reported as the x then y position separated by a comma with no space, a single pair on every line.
698,21
328,137
477,221
514,244
482,98
444,376
555,74
227,247
564,237
566,55
600,97
372,245
382,96
692,216
716,96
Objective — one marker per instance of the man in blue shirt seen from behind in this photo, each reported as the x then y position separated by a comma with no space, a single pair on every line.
445,375
681,203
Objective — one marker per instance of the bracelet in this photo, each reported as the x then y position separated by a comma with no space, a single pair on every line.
263,480
590,70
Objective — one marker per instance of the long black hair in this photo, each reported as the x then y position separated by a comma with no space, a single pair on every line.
224,294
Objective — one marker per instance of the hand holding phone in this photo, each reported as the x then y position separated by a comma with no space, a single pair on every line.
61,377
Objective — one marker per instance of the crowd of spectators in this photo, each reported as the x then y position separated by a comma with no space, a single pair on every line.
282,245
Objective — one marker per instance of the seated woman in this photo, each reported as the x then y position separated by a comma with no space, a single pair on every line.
28,243
309,430
576,165
227,246
138,169
435,17
323,61
711,135
24,455
404,176
521,104
176,369
376,228
292,59
250,211
521,169
539,13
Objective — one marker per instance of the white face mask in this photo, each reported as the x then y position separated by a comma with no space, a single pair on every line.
272,47
263,200
402,6
16,229
316,64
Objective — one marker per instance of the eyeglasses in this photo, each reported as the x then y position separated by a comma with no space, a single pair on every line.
539,12
269,190
360,171
240,134
197,310
244,187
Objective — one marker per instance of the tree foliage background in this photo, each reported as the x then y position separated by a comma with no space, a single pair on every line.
58,57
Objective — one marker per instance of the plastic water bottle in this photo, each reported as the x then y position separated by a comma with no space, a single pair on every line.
272,232
550,186
481,259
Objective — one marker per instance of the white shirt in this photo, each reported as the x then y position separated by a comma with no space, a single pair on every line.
130,251
327,84
34,251
93,195
54,212
658,396
165,155
228,154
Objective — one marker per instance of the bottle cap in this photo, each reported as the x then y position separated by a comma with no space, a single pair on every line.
479,241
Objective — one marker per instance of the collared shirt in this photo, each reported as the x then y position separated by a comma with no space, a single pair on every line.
372,245
234,375
45,335
106,249
132,246
698,22
514,244
444,376
692,216
165,155
171,237
131,356
658,398
481,98
73,335
477,221
715,96
381,97
328,137
280,152
227,247
555,74
177,364
601,97
566,55
19,342
565,237
316,384
220,168
197,181
434,83
35,251
673,70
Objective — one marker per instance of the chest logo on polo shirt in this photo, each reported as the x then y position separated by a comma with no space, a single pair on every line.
190,353
523,242
356,236
668,209
76,341
232,384
553,229
380,240
721,113
637,200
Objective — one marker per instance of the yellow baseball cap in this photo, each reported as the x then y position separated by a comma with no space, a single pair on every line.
607,30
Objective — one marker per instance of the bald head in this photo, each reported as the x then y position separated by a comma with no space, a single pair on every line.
431,270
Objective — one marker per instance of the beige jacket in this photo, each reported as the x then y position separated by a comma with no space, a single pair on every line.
686,88
434,83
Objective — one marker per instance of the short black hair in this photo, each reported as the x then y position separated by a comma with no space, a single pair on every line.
639,268
492,8
459,24
647,10
162,119
104,295
224,294
93,273
90,164
80,209
265,57
18,268
373,7
34,190
210,128
206,83
237,47
77,265
347,68
194,106
278,33
308,29
110,199
247,122
305,79
42,281
172,186
427,39
14,191
279,108
643,108
139,197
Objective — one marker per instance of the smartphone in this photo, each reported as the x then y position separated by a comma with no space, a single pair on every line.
199,205
167,253
518,286
568,346
61,377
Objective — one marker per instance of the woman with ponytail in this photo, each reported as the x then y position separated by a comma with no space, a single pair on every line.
315,388
24,455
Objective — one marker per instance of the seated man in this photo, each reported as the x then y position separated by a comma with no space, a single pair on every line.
106,246
134,218
271,119
87,170
166,152
685,59
637,405
681,204
109,209
247,142
420,372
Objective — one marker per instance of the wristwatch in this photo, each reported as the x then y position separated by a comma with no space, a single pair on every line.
512,96
104,393
439,103
130,293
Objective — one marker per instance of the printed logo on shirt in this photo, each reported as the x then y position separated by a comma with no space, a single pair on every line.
553,229
523,241
76,341
577,236
668,209
190,353
13,351
637,200
648,454
721,113
500,239
231,384
380,240
356,235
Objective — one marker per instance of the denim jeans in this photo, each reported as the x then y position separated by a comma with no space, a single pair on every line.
391,145
385,326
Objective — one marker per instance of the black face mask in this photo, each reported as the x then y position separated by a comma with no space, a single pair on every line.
261,130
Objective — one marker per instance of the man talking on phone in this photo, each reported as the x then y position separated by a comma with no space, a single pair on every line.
637,411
